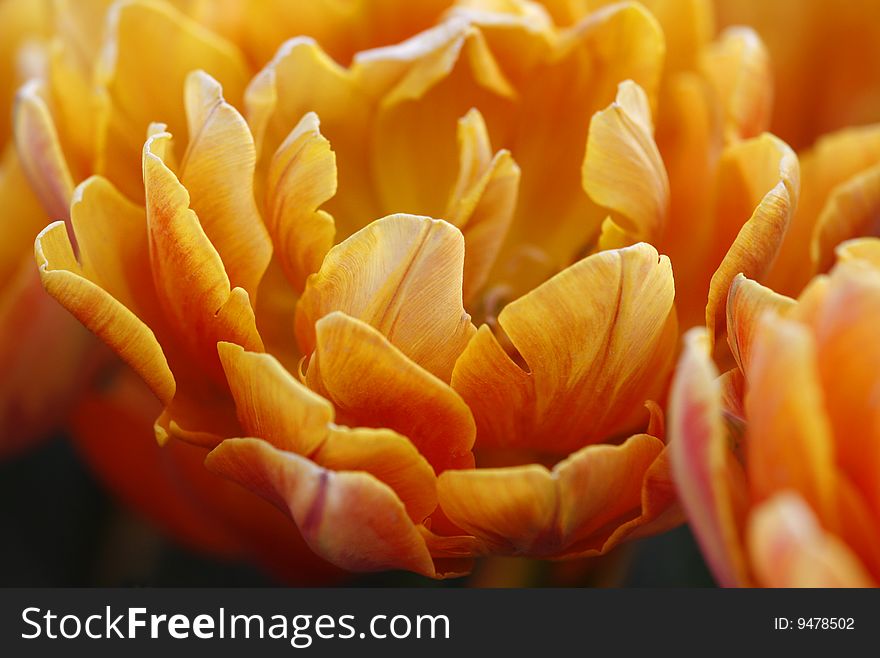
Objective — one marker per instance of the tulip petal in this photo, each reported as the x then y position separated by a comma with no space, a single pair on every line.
579,77
738,67
342,28
789,548
746,303
112,322
421,87
790,442
111,234
274,406
271,404
373,384
302,177
190,279
402,275
387,456
845,329
758,180
528,510
483,200
860,250
832,162
125,77
623,170
710,482
302,78
852,211
349,518
40,151
590,371
217,169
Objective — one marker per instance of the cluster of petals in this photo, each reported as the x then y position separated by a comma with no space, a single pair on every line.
417,277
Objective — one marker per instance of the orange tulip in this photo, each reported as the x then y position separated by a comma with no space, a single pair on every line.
330,361
775,461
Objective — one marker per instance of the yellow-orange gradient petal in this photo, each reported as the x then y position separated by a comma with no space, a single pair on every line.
349,518
789,548
126,78
272,405
790,445
835,160
189,276
373,384
40,151
851,211
758,186
302,78
573,509
597,341
482,201
746,303
709,480
622,169
738,67
217,169
302,177
578,78
402,275
112,322
860,250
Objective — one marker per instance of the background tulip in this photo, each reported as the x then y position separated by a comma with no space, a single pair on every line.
778,479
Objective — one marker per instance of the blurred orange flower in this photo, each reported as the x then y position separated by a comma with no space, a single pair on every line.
776,460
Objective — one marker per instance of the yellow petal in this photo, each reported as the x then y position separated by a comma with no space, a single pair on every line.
528,510
274,406
111,233
217,169
271,404
21,23
688,27
349,518
112,322
789,441
758,183
190,278
402,275
342,28
738,67
589,371
302,78
23,215
746,303
835,159
789,548
40,151
373,384
302,177
126,78
580,77
709,480
483,200
862,250
851,211
623,170
690,142
422,86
